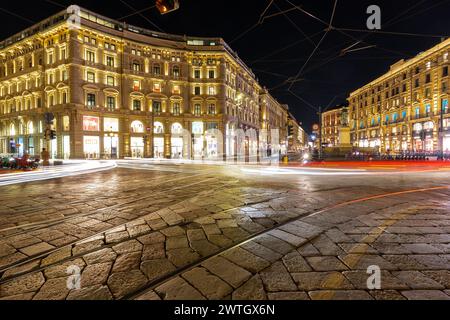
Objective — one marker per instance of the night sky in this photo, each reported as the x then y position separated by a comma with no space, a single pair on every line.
279,47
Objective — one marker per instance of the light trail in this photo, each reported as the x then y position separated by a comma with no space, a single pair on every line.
67,170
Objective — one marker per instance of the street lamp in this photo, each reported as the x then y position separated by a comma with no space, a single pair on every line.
110,135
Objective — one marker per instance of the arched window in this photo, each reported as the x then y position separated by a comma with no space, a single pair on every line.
137,127
177,128
30,127
417,127
428,125
158,128
12,129
176,71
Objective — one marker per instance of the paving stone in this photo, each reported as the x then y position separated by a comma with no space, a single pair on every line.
294,262
291,296
136,231
417,280
149,295
326,246
122,283
178,289
97,292
226,270
157,268
204,247
422,248
425,295
103,255
57,256
387,280
21,269
404,262
27,283
441,276
226,223
431,261
307,281
36,249
182,257
211,229
287,237
60,270
326,263
235,234
63,241
128,247
390,248
276,278
152,238
86,247
196,235
116,237
302,229
53,289
126,262
308,250
363,261
253,289
211,286
386,295
360,248
19,297
176,242
246,260
6,250
220,240
173,231
95,274
274,244
153,251
261,251
340,295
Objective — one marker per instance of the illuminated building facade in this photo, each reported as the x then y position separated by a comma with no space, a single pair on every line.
121,91
404,109
331,122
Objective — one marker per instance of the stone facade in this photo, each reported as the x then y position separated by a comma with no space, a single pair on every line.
121,91
404,109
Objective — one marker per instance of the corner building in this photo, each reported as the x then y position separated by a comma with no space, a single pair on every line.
406,109
117,91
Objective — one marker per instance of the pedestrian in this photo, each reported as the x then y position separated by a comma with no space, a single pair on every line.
45,155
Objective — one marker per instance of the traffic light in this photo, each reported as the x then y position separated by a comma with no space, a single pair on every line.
166,6
52,134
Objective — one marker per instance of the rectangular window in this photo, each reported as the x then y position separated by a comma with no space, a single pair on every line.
211,74
428,78
197,74
157,87
137,105
445,71
110,81
110,61
156,69
136,67
90,56
90,100
176,109
197,110
156,106
212,109
211,91
197,91
90,77
111,103
64,75
111,125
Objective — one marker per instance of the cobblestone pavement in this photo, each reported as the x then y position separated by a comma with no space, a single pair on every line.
196,233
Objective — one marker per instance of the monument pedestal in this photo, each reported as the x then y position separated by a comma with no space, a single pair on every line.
344,137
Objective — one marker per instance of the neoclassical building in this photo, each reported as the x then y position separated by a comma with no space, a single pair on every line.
406,108
117,91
